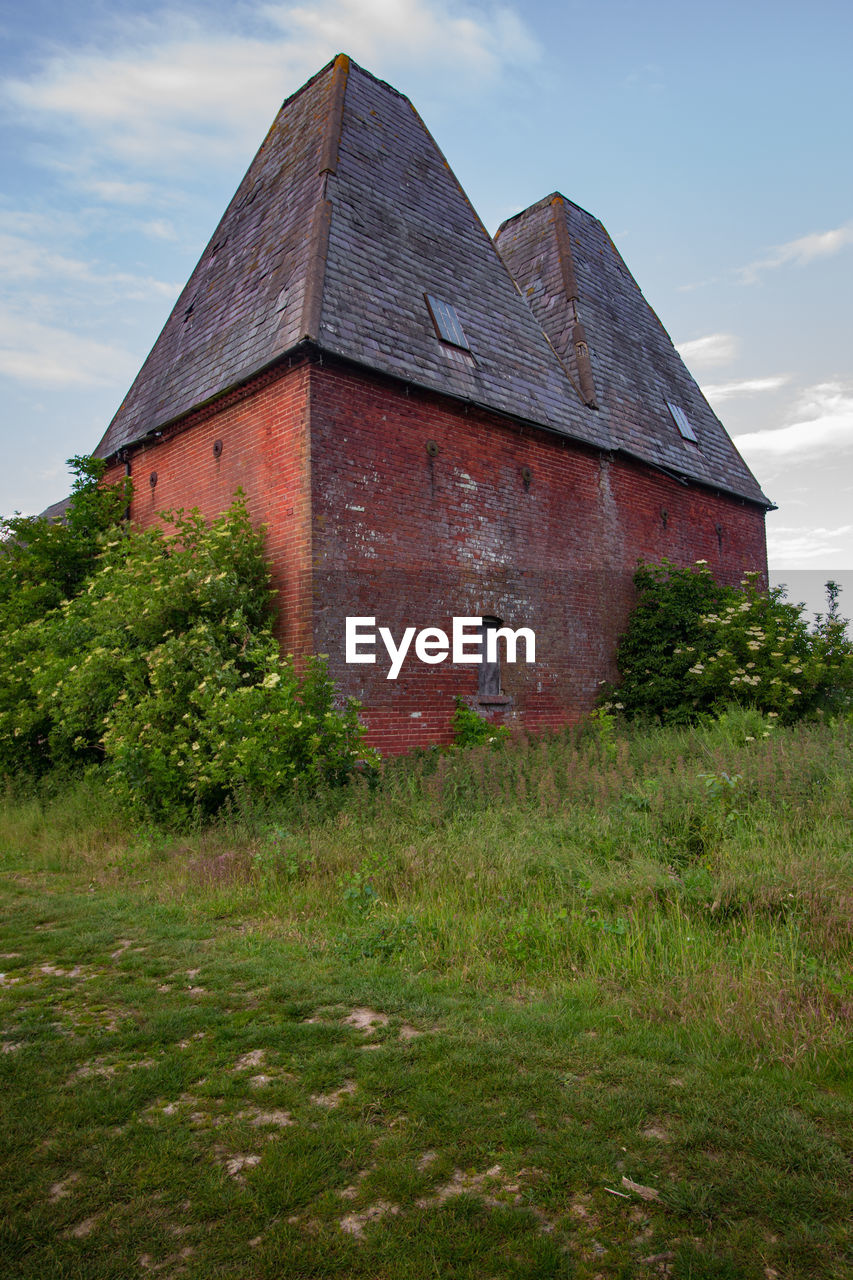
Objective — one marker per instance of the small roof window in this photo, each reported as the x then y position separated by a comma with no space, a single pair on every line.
447,323
682,422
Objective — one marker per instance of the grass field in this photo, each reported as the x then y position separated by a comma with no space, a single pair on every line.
570,1008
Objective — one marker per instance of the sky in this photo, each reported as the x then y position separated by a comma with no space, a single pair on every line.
713,141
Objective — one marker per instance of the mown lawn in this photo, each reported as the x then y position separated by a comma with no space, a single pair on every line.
566,1008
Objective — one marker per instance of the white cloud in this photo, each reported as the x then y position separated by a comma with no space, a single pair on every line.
800,252
111,191
28,258
787,544
178,93
823,424
375,31
719,391
43,355
713,349
159,229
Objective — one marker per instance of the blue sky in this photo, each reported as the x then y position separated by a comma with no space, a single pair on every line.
713,141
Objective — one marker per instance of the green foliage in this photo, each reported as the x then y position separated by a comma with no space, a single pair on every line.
358,891
693,646
164,666
43,562
604,728
381,940
472,730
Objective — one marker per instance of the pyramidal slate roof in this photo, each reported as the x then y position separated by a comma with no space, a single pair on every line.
347,219
578,287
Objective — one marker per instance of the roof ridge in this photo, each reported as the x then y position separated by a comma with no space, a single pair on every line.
321,220
566,261
303,88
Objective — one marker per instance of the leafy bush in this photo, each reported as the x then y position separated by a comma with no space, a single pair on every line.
694,646
164,667
43,562
472,730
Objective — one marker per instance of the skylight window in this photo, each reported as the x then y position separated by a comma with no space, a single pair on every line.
681,421
446,321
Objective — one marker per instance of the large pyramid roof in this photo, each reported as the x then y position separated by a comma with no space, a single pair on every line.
348,216
348,219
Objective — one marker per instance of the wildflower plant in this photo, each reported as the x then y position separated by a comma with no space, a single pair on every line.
694,645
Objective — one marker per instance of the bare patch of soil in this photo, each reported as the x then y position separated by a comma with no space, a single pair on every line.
354,1223
254,1058
83,1229
366,1020
235,1164
494,1187
276,1118
334,1099
61,1189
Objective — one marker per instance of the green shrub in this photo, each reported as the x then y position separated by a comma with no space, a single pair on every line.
472,730
43,562
164,668
694,646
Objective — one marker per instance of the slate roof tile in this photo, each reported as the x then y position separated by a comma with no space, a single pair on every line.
636,369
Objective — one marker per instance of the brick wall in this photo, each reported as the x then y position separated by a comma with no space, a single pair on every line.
265,451
501,520
492,519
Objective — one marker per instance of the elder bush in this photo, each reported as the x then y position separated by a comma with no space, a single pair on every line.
163,669
694,646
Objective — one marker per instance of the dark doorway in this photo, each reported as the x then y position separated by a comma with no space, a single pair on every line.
490,672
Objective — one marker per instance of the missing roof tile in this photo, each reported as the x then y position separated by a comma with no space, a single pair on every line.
447,323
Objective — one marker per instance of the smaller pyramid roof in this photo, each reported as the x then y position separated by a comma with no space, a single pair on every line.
569,271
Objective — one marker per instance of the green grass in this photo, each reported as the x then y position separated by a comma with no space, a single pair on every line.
581,961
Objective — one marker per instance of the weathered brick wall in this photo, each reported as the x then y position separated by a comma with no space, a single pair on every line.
413,538
265,451
502,520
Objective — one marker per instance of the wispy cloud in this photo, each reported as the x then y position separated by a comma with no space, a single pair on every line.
176,92
713,349
29,258
787,544
648,78
823,422
800,252
44,355
481,41
718,391
159,229
112,191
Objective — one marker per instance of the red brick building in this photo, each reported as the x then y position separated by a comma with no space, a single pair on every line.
430,423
